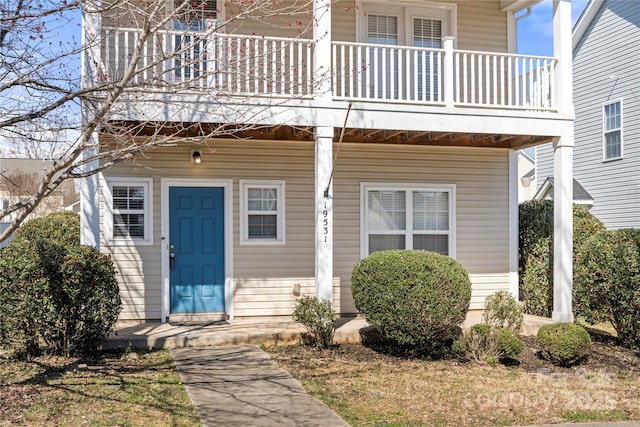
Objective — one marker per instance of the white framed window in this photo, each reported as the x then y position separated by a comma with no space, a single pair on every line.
406,23
407,216
262,209
612,131
128,213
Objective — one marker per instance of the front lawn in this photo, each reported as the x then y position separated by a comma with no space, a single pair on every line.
125,388
369,388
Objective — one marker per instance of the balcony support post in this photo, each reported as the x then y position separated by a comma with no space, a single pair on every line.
563,229
563,167
563,52
322,51
447,71
89,191
324,213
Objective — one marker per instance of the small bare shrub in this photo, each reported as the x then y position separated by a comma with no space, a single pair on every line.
503,311
319,318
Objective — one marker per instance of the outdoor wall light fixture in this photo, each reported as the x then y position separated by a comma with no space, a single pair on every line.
196,157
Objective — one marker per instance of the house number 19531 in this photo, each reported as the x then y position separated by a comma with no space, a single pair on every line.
325,222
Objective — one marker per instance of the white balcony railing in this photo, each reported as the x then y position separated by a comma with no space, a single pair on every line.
224,63
243,65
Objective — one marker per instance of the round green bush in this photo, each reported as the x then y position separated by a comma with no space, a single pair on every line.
64,295
536,250
607,282
564,344
60,227
509,344
414,299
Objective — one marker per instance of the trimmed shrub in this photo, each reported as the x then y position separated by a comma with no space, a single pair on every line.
564,344
489,344
414,299
510,345
536,251
537,281
607,282
319,318
503,311
58,293
63,228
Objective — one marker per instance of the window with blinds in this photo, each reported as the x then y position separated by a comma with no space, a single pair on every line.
413,218
128,211
383,62
191,53
262,212
194,15
427,33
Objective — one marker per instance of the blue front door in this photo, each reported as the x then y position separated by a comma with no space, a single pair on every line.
196,249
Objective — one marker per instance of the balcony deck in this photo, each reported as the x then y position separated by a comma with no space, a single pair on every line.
280,74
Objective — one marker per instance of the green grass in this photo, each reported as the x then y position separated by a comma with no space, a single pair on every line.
128,389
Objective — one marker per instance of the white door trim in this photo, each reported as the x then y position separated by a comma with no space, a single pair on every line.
227,185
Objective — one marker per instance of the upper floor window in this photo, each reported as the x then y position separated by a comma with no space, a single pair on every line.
612,130
262,212
194,15
128,210
405,24
408,216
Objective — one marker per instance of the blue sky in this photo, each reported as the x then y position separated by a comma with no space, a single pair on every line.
535,32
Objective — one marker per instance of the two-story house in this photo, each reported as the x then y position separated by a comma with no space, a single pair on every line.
357,126
607,127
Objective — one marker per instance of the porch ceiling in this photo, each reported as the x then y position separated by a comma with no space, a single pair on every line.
355,135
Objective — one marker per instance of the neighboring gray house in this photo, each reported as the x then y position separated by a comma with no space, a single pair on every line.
606,87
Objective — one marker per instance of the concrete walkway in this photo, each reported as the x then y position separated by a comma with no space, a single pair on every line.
243,386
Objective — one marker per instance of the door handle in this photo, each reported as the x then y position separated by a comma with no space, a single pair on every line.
172,260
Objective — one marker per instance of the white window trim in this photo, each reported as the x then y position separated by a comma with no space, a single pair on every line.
405,10
365,187
279,185
148,212
604,132
220,15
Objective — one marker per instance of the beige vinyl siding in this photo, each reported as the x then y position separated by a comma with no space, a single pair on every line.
481,179
482,26
264,276
343,20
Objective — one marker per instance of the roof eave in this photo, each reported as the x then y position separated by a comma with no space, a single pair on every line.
585,20
516,5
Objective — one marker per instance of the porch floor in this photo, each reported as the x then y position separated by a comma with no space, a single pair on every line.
251,331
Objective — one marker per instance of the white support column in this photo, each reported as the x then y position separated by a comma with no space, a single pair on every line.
563,168
89,200
322,51
563,230
563,51
324,213
513,224
447,71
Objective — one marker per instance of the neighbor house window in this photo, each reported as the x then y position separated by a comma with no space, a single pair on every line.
128,216
612,127
262,212
408,217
